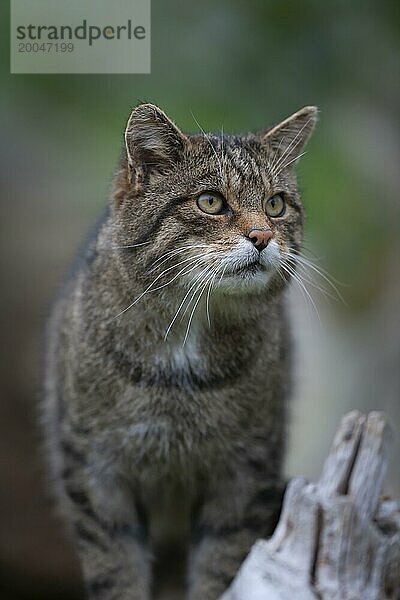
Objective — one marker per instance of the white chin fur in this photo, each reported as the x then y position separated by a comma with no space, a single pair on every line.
250,282
244,254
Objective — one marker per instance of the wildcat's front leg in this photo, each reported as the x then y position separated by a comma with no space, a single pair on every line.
215,561
227,527
106,530
113,566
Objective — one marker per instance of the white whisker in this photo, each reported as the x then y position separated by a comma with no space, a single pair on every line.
199,280
193,283
194,309
130,246
222,273
286,267
209,294
149,288
307,264
172,253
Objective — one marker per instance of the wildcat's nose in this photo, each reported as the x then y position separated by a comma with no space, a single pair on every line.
260,238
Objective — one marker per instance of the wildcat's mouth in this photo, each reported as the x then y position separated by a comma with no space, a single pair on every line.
245,265
246,277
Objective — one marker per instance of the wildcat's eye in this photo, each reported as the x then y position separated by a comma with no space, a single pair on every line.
211,203
275,206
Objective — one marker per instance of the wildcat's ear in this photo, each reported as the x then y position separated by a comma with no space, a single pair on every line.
289,137
151,138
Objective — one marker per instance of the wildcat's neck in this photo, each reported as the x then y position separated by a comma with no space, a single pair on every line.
234,330
215,321
237,326
241,331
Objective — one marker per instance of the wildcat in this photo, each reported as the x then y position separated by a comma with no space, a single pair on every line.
168,359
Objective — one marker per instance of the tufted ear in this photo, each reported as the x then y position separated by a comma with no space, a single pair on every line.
152,140
289,137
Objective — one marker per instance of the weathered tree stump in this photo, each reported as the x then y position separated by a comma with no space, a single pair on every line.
337,539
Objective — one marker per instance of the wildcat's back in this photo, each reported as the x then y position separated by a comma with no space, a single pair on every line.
168,362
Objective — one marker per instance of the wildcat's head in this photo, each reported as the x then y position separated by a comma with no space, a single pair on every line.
210,210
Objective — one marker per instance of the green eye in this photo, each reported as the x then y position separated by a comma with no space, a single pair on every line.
275,206
210,203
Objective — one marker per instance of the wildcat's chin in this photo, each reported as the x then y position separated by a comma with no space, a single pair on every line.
249,279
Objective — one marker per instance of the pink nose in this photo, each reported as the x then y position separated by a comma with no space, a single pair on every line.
260,238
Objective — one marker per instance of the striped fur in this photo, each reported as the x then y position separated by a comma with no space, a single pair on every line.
176,441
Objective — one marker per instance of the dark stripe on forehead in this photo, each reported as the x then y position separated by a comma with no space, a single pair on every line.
234,159
255,169
260,163
250,162
248,171
235,166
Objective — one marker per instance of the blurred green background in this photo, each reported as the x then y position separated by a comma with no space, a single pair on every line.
239,65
